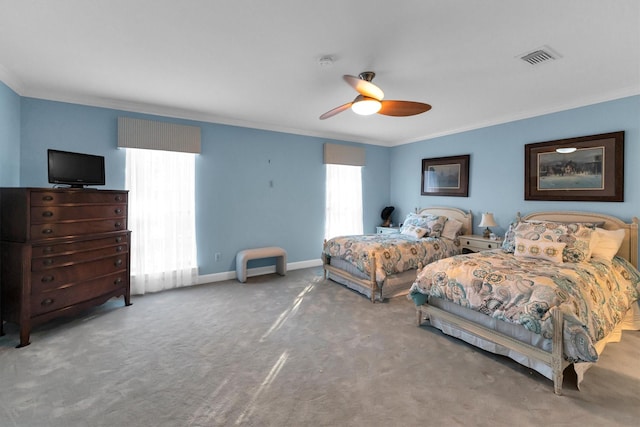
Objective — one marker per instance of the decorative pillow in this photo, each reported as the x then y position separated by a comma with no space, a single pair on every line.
434,224
606,243
576,236
508,244
452,229
412,230
540,249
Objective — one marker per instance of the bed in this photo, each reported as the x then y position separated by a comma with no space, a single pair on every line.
578,293
383,266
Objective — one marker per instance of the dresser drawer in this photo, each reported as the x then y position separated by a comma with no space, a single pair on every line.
61,229
39,264
44,214
79,272
43,250
52,198
44,302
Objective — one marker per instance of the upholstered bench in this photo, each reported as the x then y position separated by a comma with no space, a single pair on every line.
258,253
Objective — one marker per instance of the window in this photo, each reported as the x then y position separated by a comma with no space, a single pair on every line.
161,188
343,207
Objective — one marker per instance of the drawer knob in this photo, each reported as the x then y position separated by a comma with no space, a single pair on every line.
118,262
46,279
118,248
118,211
47,301
118,198
47,250
47,231
47,198
47,261
118,239
47,214
117,281
118,224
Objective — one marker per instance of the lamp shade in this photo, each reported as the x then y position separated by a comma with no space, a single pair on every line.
487,220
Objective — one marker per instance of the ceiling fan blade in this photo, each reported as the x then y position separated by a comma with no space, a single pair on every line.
364,87
335,111
403,108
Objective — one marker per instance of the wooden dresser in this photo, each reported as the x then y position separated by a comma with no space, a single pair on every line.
61,252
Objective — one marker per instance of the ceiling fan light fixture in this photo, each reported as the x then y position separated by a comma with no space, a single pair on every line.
366,106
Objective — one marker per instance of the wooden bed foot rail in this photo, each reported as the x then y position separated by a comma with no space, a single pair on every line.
367,283
373,284
553,359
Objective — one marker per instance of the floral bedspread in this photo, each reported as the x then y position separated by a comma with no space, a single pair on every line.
394,252
593,296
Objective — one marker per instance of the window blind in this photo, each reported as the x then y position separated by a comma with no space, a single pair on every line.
138,133
335,154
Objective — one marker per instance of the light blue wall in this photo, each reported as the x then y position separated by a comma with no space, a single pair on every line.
496,181
236,207
9,137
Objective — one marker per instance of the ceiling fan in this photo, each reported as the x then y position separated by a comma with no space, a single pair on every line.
370,100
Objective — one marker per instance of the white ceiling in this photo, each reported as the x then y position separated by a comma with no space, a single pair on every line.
255,63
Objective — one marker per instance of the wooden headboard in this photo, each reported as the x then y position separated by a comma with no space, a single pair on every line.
629,248
466,218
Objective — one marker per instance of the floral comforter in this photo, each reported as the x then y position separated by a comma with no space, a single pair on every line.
394,252
593,296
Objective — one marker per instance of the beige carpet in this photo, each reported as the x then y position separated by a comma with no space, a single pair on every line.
287,351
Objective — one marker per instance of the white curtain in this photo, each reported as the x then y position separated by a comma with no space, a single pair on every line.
343,205
161,188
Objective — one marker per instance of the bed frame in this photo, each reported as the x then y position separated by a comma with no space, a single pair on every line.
554,359
370,284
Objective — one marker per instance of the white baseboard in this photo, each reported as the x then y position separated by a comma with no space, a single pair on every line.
229,275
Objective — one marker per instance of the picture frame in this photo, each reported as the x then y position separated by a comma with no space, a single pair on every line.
445,176
592,170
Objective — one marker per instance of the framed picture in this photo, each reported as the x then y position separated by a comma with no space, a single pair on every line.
587,168
446,176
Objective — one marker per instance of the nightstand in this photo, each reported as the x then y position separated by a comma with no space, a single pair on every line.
477,243
387,230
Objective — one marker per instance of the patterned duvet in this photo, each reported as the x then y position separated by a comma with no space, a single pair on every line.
394,253
593,296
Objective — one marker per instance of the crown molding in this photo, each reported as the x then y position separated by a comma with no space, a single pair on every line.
11,80
582,102
170,112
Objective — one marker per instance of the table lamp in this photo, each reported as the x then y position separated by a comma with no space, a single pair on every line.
487,221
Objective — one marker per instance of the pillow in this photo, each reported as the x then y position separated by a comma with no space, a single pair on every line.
577,237
508,243
452,229
606,243
412,230
434,224
540,249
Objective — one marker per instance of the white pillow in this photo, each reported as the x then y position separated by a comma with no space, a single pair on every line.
451,229
412,230
541,249
606,243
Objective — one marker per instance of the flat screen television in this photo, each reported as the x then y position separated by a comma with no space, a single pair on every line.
77,170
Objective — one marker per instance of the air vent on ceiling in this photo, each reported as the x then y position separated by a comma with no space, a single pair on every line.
540,55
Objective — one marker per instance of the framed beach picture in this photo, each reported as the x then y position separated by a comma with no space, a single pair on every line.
588,168
446,176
